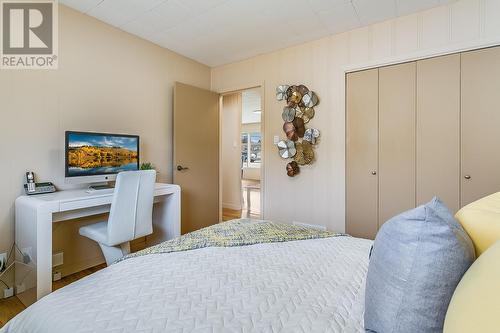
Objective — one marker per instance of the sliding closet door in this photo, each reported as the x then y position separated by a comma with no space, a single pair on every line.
480,124
438,130
361,153
396,139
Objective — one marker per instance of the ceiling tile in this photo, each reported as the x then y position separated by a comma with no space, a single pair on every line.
120,12
140,27
81,5
162,17
341,18
324,5
201,6
371,11
405,7
216,32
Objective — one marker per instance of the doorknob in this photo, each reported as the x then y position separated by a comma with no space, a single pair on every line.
181,168
374,172
467,176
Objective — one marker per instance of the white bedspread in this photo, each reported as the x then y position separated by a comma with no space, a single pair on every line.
300,286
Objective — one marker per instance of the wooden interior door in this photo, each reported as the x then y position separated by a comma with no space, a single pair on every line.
397,90
362,153
480,124
438,130
196,155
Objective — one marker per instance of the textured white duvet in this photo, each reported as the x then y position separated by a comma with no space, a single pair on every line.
300,286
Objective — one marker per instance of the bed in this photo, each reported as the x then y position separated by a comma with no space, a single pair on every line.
277,286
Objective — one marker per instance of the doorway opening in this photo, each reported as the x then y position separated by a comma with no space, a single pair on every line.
241,154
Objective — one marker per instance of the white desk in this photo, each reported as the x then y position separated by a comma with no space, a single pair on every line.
35,215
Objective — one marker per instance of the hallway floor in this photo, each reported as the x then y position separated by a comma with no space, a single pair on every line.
230,214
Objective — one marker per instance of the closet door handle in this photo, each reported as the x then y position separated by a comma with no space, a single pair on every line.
181,168
374,172
467,177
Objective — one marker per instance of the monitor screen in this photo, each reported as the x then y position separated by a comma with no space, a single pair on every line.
92,154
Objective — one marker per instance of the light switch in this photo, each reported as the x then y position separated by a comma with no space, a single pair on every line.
276,139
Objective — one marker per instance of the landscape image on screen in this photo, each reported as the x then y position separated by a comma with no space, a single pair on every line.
90,154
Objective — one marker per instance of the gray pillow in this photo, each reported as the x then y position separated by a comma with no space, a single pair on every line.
418,258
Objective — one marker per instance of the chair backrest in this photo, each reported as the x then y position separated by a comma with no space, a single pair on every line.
131,214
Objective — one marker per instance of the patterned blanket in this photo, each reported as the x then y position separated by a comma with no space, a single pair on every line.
239,232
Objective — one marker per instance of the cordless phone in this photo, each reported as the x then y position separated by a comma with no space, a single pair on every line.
37,188
30,182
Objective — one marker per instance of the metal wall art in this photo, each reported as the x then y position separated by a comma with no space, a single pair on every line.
287,149
299,110
292,169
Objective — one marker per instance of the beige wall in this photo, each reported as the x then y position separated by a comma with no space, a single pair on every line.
231,151
107,81
320,188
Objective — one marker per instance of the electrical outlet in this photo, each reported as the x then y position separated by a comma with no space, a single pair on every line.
8,292
27,255
56,276
3,261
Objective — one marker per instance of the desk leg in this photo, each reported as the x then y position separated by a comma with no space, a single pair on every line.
44,254
34,239
166,219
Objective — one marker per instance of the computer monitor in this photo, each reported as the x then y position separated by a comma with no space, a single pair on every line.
98,157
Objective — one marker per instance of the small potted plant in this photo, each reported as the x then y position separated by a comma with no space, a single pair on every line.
147,166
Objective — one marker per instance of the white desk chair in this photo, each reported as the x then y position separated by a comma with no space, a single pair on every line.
130,216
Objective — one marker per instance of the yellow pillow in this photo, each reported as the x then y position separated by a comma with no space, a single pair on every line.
475,305
481,220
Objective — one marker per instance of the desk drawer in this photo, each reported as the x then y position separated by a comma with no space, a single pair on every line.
85,203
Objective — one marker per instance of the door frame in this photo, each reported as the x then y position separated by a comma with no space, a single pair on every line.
263,149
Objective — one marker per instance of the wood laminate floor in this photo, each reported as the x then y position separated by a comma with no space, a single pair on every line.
10,307
231,214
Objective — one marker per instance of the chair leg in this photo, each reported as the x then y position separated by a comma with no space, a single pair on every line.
113,253
125,247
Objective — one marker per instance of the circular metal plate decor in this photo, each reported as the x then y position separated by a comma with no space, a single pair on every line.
300,129
292,169
286,148
289,130
302,89
311,135
294,96
304,153
288,114
310,99
281,92
305,113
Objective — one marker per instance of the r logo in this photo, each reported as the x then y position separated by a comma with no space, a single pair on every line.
27,28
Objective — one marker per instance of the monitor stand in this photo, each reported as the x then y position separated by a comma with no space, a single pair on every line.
100,186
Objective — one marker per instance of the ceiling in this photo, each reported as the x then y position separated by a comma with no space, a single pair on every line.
250,103
217,32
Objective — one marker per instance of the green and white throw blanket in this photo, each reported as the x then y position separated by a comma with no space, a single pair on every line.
239,232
